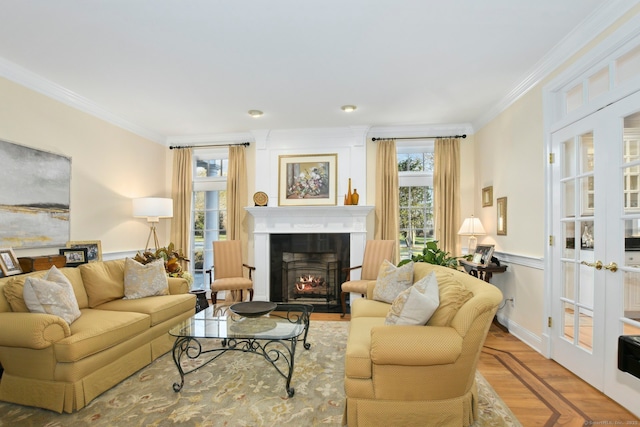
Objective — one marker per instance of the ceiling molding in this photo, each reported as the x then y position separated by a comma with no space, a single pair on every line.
601,19
33,81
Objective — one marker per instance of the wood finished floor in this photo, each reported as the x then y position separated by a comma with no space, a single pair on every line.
538,391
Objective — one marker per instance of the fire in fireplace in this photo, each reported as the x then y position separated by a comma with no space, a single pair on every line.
307,268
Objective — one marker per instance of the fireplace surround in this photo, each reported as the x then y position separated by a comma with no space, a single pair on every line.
271,220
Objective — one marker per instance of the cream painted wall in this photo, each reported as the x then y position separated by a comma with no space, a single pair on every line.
110,166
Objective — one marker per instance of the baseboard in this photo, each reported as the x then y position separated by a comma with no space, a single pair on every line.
523,334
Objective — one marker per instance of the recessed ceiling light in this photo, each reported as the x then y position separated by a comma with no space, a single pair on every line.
255,113
348,108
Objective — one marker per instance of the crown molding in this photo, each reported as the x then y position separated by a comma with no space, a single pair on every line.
33,81
601,19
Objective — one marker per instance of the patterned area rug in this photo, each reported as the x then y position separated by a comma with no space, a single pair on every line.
235,390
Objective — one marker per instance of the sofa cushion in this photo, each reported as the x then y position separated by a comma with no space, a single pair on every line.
358,353
97,330
159,308
416,305
392,280
51,294
14,292
452,296
144,280
103,281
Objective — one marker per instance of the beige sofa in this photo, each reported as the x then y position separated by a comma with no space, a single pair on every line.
51,364
419,375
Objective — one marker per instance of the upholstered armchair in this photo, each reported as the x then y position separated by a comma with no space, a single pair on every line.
375,252
228,273
419,375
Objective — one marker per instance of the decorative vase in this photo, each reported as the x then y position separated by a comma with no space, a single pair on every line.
355,197
347,197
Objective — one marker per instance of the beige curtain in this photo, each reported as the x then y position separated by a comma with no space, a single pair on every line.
237,195
387,222
182,193
446,188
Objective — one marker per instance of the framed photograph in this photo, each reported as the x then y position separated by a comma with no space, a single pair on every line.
75,256
94,249
8,262
307,180
487,196
482,255
502,216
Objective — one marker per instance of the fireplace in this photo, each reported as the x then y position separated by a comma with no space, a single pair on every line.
270,223
307,268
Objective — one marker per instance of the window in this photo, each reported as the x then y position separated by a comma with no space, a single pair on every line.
209,210
415,178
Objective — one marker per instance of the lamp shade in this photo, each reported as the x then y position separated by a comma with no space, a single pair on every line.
152,208
471,227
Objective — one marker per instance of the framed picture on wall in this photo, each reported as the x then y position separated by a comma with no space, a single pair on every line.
307,180
487,196
501,229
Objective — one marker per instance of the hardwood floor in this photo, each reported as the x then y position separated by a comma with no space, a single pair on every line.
538,391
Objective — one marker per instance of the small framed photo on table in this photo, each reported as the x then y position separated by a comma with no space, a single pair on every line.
482,255
9,264
75,257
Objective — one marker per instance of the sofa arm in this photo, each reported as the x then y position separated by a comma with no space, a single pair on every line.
178,285
414,345
31,330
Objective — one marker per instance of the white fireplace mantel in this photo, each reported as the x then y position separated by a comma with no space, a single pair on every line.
304,219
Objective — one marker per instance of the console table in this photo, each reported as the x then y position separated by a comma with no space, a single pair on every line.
485,272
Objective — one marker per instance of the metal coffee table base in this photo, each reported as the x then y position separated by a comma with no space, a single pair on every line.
273,351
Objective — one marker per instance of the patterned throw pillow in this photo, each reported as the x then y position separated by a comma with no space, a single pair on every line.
144,280
392,280
51,294
416,305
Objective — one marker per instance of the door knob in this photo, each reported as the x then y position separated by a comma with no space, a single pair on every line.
597,265
612,266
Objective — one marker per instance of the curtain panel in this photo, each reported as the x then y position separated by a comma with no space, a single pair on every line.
182,194
446,189
387,221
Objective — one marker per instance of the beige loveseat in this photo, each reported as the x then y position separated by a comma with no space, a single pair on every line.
419,375
51,364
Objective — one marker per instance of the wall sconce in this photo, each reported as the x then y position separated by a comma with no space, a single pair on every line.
472,227
152,208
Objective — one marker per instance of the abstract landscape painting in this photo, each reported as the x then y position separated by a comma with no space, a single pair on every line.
34,201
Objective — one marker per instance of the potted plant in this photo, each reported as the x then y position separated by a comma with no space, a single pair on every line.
433,255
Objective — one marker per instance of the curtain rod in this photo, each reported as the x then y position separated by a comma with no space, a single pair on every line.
244,144
421,137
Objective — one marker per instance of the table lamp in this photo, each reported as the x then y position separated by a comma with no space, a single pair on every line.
472,227
152,208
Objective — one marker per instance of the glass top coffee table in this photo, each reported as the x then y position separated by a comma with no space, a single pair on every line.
273,335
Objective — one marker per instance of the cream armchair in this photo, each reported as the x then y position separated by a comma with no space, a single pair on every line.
375,252
228,273
419,375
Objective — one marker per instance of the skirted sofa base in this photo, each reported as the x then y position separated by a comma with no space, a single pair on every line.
54,365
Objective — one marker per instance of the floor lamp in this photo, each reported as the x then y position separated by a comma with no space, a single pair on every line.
472,227
152,208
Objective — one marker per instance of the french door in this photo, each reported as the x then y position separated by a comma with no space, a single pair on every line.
596,253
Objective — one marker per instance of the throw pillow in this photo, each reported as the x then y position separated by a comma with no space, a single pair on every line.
144,280
392,280
452,297
416,305
52,294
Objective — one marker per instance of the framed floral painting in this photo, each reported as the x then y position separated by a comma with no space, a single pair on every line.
307,180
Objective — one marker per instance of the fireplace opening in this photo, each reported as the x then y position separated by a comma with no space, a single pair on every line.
307,268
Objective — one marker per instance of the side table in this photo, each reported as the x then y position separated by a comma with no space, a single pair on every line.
485,272
201,299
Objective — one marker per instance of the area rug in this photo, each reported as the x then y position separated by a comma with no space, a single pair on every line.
235,390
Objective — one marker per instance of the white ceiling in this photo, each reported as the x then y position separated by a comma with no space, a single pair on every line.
181,68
